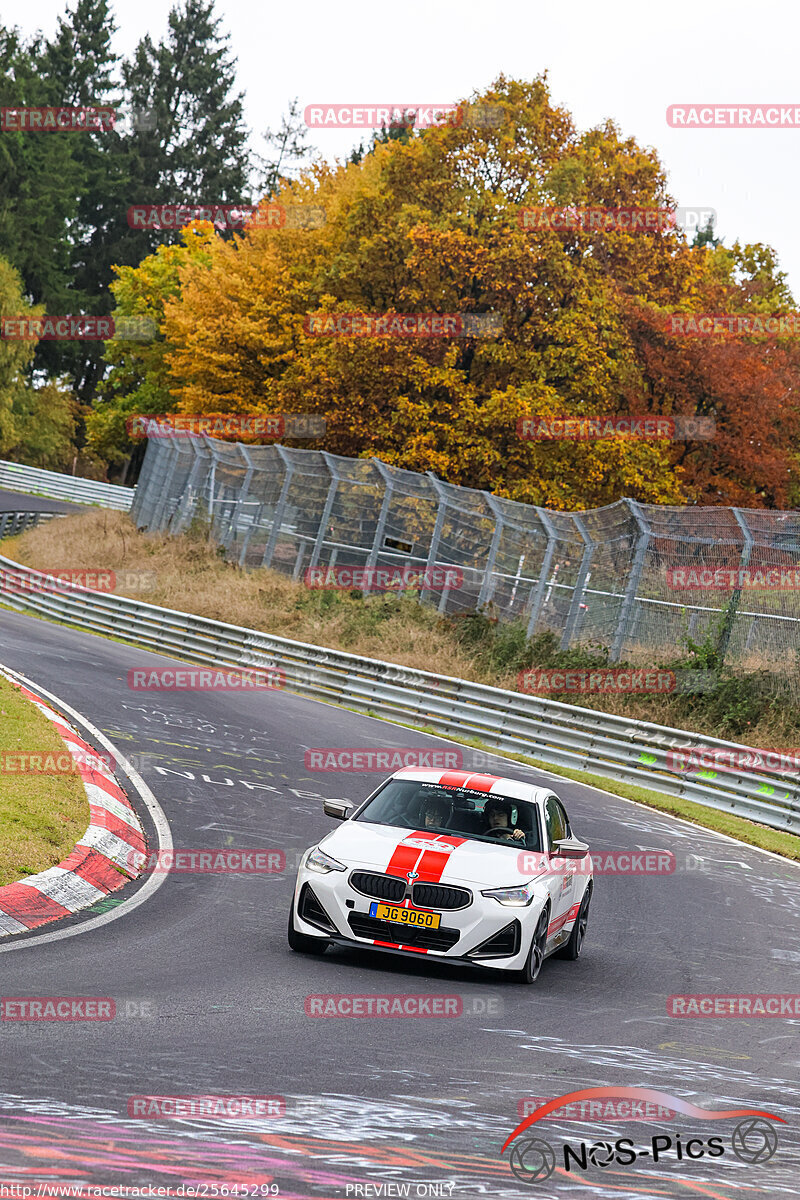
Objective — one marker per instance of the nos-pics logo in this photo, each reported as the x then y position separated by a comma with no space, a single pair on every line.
754,1140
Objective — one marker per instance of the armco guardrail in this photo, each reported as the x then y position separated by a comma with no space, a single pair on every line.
556,733
36,482
12,523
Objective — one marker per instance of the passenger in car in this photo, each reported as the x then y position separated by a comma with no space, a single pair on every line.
436,811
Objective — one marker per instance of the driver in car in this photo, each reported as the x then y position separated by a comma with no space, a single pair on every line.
498,822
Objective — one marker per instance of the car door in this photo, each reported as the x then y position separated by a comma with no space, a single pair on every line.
564,889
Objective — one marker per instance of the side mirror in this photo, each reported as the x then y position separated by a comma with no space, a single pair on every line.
570,848
338,809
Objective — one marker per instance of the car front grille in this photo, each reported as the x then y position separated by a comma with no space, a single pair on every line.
382,887
404,935
438,895
423,895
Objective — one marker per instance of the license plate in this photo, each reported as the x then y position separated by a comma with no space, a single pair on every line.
405,916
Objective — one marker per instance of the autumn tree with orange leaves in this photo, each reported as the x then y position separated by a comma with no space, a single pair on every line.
432,224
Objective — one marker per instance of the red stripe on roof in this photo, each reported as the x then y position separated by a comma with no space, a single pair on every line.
482,783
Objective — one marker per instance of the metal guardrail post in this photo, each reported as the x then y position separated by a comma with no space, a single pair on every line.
580,583
280,508
380,528
632,586
732,606
487,585
330,498
436,537
537,591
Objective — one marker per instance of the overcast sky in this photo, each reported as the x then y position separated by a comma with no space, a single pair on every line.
623,60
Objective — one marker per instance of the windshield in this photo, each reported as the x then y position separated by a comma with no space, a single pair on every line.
435,808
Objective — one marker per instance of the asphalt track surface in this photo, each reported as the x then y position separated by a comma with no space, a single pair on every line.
21,502
210,1000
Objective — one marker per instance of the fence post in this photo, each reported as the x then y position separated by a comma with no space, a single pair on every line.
631,588
732,606
487,586
380,528
580,583
145,498
436,537
537,591
280,508
157,521
236,511
322,528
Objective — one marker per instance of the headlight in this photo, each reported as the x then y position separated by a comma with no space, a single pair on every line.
515,897
322,863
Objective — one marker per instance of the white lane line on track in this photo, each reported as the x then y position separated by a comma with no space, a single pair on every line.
163,831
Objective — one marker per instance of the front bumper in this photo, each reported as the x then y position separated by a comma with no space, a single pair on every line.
485,933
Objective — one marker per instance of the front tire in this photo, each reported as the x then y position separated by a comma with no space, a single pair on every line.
572,948
301,943
533,963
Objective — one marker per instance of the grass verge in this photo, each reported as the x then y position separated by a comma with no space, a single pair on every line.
41,816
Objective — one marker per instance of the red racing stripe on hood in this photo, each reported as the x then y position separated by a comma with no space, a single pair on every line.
434,861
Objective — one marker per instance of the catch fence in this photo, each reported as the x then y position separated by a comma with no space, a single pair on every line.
634,578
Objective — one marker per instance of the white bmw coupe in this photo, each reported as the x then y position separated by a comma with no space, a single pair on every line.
471,868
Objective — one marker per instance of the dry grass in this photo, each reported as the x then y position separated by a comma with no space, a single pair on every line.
41,816
191,576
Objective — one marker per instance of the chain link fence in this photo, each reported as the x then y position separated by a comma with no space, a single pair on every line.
635,578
